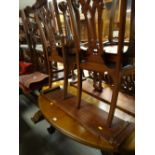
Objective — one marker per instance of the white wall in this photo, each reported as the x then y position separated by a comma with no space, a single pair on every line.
24,3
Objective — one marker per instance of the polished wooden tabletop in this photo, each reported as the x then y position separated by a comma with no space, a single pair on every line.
73,129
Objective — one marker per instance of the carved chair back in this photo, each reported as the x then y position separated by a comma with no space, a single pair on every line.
28,34
128,51
36,78
95,57
54,41
44,22
38,57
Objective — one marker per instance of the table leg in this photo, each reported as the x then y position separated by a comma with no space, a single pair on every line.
51,130
38,116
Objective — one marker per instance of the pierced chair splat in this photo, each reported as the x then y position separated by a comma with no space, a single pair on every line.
54,43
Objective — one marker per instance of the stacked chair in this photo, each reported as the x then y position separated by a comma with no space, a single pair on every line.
33,67
110,38
56,41
97,57
36,76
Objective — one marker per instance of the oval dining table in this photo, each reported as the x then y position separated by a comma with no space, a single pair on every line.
70,127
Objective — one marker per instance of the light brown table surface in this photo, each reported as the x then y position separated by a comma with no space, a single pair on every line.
73,129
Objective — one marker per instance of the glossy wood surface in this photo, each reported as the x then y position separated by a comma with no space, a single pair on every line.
72,128
125,103
95,59
59,117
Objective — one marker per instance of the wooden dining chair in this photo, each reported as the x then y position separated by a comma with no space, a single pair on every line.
128,77
36,77
110,41
33,67
95,59
55,44
128,57
25,35
30,30
23,52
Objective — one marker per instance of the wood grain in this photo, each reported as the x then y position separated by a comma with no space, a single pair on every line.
88,118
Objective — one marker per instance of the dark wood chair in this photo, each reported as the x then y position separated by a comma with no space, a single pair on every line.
128,57
33,63
24,46
33,44
24,58
110,41
95,59
128,77
28,48
96,83
56,44
36,77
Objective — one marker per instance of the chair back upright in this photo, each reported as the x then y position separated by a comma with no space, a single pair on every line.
54,40
38,57
25,24
93,11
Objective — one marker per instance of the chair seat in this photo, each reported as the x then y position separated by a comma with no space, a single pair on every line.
24,67
24,46
22,37
38,47
111,49
33,81
91,66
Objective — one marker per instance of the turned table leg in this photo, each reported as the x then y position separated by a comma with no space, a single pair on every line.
51,130
38,116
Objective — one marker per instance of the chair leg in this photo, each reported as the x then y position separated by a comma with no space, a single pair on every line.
113,105
55,64
83,74
66,74
79,88
73,74
50,75
94,80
